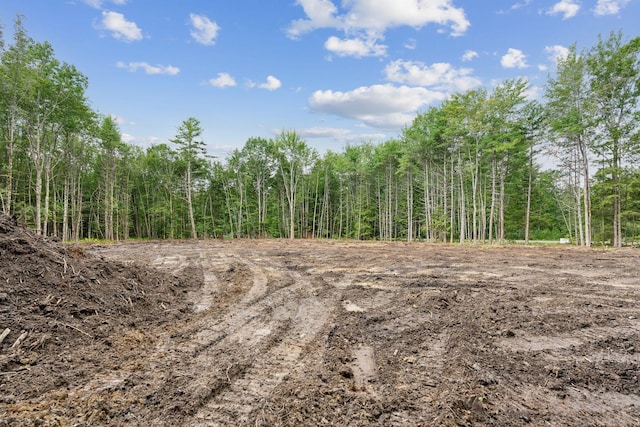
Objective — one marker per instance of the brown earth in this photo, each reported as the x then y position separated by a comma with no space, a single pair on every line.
279,333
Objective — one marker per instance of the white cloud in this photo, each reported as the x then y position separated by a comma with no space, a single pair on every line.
142,141
380,106
514,58
271,84
355,47
366,16
340,134
469,55
127,138
204,30
440,76
120,28
321,14
149,69
120,121
556,52
533,93
609,7
517,6
223,80
98,3
411,44
568,8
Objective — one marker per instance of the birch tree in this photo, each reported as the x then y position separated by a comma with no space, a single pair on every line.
614,67
294,158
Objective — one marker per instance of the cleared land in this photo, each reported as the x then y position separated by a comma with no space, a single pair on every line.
279,333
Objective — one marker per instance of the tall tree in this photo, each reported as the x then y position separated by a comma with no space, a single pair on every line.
14,89
533,129
506,142
614,67
570,112
110,139
260,168
295,157
51,85
191,150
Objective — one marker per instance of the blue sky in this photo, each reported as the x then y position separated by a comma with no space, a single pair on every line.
337,71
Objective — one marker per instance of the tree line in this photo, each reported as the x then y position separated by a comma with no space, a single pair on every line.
473,169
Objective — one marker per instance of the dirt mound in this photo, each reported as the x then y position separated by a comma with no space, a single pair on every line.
63,311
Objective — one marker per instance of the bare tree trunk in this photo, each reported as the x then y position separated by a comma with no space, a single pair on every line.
527,220
463,211
493,198
192,220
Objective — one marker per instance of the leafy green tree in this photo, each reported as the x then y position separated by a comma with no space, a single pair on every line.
110,141
571,118
295,158
260,162
191,150
14,89
614,67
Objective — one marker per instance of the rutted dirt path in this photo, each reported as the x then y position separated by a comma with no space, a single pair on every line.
391,334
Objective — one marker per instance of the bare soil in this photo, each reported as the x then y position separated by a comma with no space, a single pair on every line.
279,333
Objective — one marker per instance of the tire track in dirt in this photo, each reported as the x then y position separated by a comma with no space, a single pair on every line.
225,361
306,311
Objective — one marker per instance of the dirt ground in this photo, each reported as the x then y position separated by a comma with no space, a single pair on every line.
280,333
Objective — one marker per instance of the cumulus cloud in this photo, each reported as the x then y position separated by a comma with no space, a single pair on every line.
374,18
120,28
556,52
204,30
514,58
609,7
223,80
567,8
149,69
380,106
355,47
469,55
271,84
440,76
320,14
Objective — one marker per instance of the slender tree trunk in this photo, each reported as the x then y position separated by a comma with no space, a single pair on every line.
493,197
409,207
47,196
502,199
527,219
194,233
463,202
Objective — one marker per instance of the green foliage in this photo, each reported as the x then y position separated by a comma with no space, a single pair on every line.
465,170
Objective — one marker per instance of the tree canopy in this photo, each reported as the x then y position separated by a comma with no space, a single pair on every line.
473,169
